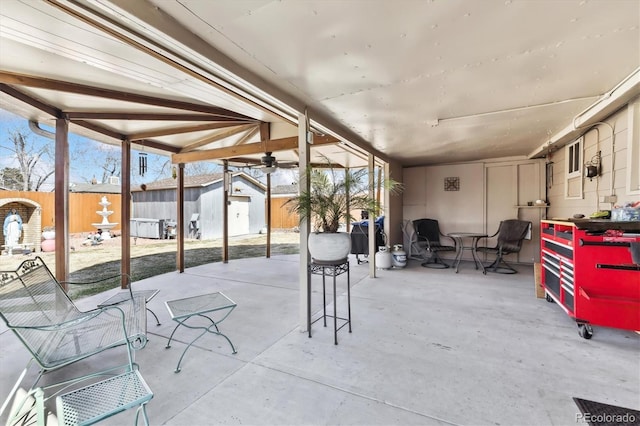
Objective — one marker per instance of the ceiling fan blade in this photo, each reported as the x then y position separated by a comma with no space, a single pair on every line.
287,165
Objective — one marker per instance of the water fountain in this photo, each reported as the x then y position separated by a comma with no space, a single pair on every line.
105,226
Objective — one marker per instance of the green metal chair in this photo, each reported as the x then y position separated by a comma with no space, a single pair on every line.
36,308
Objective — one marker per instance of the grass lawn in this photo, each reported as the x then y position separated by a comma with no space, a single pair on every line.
152,257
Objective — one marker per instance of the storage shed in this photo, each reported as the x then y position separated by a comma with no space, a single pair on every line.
203,194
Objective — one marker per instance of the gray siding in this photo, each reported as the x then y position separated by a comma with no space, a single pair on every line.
207,202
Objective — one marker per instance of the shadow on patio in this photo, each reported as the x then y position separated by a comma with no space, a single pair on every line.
428,347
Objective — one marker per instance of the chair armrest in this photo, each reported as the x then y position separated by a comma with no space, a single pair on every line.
491,236
486,238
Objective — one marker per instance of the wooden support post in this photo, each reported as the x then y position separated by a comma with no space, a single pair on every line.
372,221
61,209
125,208
268,208
265,135
225,212
180,219
305,228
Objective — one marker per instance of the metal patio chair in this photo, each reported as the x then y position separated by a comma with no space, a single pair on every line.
36,308
428,237
511,233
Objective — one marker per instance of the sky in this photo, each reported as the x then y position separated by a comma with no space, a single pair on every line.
88,157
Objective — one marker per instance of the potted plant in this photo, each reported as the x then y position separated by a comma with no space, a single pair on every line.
325,206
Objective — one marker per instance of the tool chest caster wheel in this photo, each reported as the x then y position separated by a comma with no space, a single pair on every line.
585,331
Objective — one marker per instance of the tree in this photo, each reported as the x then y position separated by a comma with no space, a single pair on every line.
110,166
12,178
29,157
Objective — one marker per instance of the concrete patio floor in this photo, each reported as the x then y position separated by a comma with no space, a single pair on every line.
428,347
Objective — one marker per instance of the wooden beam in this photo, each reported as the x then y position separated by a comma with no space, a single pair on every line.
100,129
31,100
273,145
247,136
174,59
82,89
147,143
184,129
145,116
217,137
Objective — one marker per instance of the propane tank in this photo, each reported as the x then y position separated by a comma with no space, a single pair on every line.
398,256
383,258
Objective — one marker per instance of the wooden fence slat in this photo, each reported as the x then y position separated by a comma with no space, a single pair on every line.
83,208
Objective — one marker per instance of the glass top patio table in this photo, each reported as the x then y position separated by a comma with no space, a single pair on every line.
123,296
202,306
189,306
459,237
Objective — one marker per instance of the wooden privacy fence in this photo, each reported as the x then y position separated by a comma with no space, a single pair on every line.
83,208
281,217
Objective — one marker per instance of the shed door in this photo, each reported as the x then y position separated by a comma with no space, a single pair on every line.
239,216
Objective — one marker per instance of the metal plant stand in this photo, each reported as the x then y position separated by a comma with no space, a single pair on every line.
331,269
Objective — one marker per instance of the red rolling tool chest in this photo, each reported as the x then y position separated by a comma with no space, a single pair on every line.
588,270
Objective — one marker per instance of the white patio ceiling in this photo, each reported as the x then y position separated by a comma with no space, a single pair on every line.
419,82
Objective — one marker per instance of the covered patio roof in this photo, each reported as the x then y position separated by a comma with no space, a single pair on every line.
412,82
113,83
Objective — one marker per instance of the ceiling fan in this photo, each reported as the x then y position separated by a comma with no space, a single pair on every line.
269,164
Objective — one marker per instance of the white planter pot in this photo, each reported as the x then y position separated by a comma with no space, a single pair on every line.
329,247
49,235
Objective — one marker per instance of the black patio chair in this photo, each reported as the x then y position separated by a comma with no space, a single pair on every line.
429,243
511,233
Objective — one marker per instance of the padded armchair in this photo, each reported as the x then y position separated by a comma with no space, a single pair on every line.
429,242
511,234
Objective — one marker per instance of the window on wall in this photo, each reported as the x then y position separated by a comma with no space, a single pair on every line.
633,143
573,158
573,176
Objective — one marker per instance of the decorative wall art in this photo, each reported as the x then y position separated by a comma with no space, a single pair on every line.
452,184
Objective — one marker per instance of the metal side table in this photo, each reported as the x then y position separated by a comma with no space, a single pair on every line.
124,295
203,306
331,269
